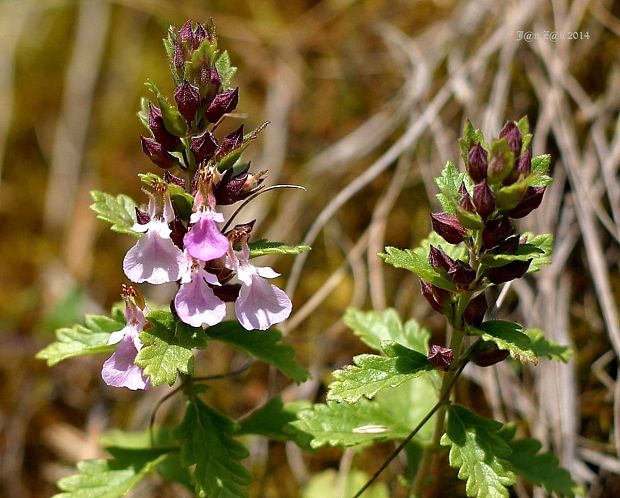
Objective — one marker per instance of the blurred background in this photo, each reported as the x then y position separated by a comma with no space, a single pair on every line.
366,100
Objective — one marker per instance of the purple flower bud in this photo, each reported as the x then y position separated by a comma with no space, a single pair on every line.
474,313
477,163
524,163
174,180
230,142
232,189
185,33
508,272
142,217
449,227
203,147
439,260
187,98
483,199
439,299
508,246
532,199
496,231
167,140
200,34
462,274
440,357
513,136
489,355
157,154
465,200
223,103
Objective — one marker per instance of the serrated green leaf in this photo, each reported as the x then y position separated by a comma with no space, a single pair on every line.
224,69
264,345
264,247
173,121
344,424
416,261
377,327
524,125
508,336
333,483
523,253
547,348
274,420
81,340
540,164
371,373
544,242
167,349
111,478
449,182
542,469
479,451
207,442
119,211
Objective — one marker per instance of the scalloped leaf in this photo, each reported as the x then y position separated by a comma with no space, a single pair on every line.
265,345
544,242
168,348
377,327
479,451
449,182
224,69
81,340
416,261
207,442
549,349
371,373
344,424
523,253
509,336
264,247
119,211
111,478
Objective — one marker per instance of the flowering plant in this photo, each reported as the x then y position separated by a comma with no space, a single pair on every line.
183,237
474,247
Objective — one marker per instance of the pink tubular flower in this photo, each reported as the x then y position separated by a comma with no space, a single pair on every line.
260,304
204,241
195,302
154,258
119,369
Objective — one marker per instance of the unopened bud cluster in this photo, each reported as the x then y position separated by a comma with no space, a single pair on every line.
499,187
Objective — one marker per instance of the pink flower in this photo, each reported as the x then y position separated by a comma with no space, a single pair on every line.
204,241
154,258
195,302
260,304
119,369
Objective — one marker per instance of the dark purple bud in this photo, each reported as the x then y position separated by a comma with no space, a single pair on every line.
508,246
142,217
187,98
439,299
232,189
167,140
524,163
489,355
240,233
199,35
223,103
513,136
532,199
227,293
440,357
474,313
439,260
178,231
174,180
449,227
477,163
157,154
465,200
508,272
203,147
496,231
230,142
185,33
483,199
462,275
